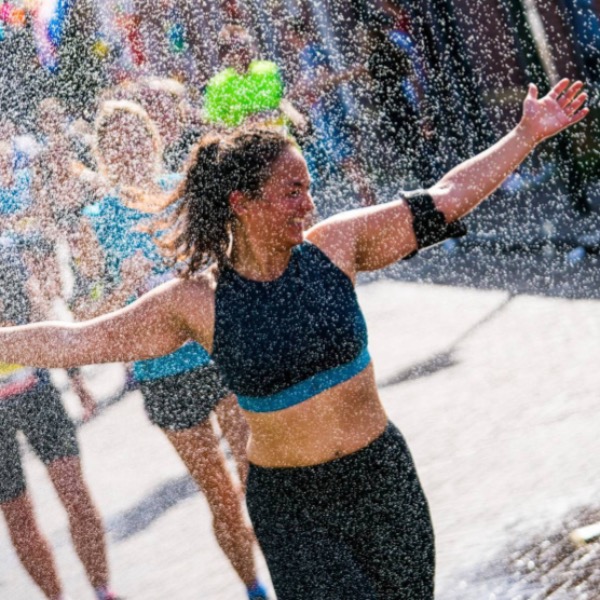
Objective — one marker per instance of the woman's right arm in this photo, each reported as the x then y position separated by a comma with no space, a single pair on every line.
152,326
135,270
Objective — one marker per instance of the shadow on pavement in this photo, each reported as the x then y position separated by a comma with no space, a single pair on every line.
149,509
439,362
446,359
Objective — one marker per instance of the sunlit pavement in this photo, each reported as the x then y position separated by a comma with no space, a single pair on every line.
503,427
496,394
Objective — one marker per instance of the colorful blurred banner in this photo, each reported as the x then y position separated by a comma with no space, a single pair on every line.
49,19
13,16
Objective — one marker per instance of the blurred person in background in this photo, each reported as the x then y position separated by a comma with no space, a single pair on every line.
30,403
398,88
15,186
179,123
24,81
18,210
25,147
81,69
316,91
182,389
55,215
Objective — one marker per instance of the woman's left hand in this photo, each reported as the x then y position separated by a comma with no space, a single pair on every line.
560,108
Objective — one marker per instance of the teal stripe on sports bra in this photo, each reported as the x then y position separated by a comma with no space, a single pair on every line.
308,388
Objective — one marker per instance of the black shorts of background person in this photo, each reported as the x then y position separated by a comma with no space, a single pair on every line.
184,400
40,415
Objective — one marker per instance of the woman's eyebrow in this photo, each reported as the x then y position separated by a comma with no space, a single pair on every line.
300,183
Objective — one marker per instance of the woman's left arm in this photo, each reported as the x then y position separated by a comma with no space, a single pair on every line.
372,238
465,186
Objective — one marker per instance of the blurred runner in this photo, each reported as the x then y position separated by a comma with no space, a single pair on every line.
316,92
54,220
181,389
29,403
399,89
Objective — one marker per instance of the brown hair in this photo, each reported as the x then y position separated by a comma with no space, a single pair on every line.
200,226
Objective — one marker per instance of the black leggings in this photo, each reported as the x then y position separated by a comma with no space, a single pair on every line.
354,528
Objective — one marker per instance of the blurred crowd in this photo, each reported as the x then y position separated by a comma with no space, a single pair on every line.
54,101
102,103
365,95
101,50
100,112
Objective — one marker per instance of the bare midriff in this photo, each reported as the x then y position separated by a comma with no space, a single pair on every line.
332,424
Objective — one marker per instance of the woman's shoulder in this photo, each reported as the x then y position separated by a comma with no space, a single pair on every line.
197,288
333,238
194,302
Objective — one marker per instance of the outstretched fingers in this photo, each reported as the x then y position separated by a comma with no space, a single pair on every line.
559,88
569,94
577,115
576,104
571,99
562,107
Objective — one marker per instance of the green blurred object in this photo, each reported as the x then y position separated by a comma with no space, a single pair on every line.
231,97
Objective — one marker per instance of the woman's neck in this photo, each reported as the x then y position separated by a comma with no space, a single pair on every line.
258,259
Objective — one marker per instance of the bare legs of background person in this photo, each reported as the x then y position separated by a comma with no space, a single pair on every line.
86,526
31,545
200,451
87,532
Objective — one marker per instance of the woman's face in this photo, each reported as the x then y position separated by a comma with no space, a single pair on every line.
128,149
164,110
284,207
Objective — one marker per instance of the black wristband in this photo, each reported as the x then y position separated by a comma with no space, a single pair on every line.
429,224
